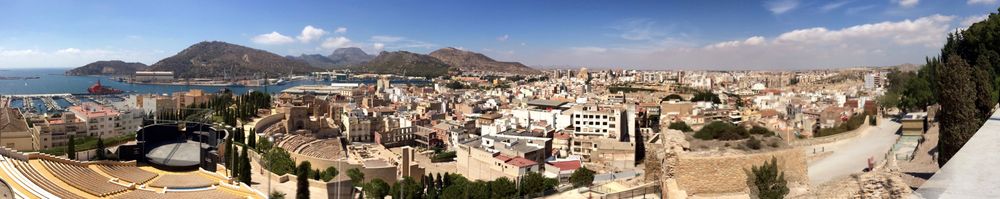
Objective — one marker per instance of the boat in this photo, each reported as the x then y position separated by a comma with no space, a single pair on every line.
98,89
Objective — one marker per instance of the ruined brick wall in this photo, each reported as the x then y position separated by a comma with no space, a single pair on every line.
725,173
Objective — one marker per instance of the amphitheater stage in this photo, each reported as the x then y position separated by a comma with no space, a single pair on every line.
175,156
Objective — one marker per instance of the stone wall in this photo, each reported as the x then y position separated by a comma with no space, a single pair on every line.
727,173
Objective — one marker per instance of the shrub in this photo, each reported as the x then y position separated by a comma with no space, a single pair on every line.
444,157
760,130
852,123
753,143
680,126
766,182
721,131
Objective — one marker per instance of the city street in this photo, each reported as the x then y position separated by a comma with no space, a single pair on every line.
851,156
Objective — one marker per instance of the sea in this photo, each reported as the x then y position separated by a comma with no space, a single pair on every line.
53,81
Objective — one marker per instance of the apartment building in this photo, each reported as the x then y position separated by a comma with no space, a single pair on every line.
493,156
105,121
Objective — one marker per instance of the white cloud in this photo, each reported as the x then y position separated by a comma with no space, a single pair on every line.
68,51
752,41
273,38
336,42
983,2
386,39
503,38
340,30
310,33
378,47
638,29
925,30
17,53
874,44
968,21
589,49
781,6
907,3
833,6
396,42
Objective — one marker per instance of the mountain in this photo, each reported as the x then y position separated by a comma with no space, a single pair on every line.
474,62
315,60
405,63
340,58
351,56
218,59
113,67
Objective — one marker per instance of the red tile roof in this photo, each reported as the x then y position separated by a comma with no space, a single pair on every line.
569,165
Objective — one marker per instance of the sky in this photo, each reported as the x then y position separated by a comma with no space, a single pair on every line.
649,35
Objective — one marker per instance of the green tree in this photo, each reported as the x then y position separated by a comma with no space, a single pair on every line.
706,96
766,182
376,188
330,173
71,148
680,126
302,180
534,184
316,174
477,189
357,177
277,195
958,109
502,187
252,141
279,161
918,94
100,149
889,100
673,97
582,177
228,157
409,189
245,167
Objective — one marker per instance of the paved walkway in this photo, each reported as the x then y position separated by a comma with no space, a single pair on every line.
851,156
971,173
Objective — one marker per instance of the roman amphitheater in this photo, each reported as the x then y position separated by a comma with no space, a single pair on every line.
36,175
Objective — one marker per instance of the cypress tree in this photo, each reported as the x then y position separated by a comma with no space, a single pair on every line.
252,141
958,117
71,148
245,167
302,180
100,149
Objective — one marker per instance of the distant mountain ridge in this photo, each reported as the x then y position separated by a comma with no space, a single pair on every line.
112,67
340,58
468,61
218,59
406,63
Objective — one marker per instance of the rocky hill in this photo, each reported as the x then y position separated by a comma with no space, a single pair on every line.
351,56
218,59
315,60
113,67
467,61
340,58
405,63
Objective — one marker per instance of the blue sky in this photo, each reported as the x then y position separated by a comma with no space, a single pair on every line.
737,34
